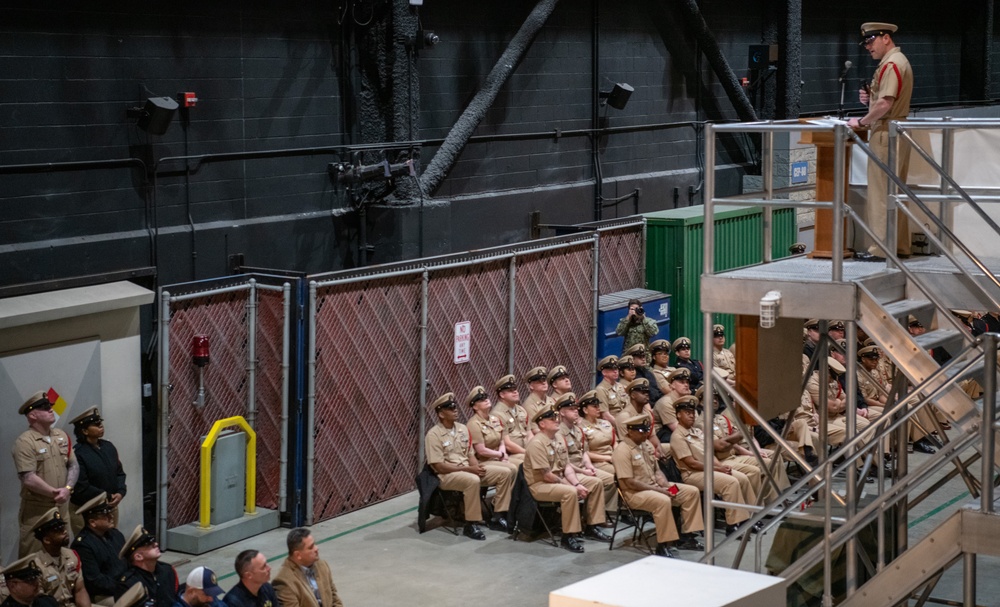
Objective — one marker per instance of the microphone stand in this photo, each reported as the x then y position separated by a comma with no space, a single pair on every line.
843,88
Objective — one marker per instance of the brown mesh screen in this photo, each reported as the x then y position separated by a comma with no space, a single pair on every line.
479,294
223,318
621,260
366,383
269,342
554,316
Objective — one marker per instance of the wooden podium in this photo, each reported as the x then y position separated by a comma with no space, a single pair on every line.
823,140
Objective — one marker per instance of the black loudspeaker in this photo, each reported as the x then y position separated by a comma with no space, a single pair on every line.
619,95
155,117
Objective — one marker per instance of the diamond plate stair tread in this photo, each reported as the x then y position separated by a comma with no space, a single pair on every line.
936,338
960,409
904,307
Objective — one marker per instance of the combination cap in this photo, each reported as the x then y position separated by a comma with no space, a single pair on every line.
641,384
49,521
139,538
636,350
507,382
682,342
680,373
639,422
88,418
475,395
557,372
686,402
608,362
589,398
535,374
566,400
26,569
660,345
36,400
96,505
544,413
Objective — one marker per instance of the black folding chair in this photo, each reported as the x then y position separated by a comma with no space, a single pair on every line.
631,518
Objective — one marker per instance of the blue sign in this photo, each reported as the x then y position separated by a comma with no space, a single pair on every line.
800,172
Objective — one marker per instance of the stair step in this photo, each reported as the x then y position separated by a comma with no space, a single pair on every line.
922,309
938,338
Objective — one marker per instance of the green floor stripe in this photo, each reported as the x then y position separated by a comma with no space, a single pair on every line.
950,502
333,537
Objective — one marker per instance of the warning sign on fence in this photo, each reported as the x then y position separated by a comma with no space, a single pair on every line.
463,339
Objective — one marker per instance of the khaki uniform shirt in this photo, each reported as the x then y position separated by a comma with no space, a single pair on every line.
46,456
448,446
488,432
868,387
576,444
687,442
59,575
599,435
663,410
611,396
661,374
535,403
806,409
833,390
893,78
635,461
514,420
543,454
724,359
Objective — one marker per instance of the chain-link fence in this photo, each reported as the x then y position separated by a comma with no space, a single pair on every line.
247,327
383,345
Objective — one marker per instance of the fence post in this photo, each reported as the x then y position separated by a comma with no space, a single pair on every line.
511,311
422,413
164,327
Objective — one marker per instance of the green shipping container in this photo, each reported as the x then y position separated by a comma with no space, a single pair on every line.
674,258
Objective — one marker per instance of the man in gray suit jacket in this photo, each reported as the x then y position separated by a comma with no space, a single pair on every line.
304,580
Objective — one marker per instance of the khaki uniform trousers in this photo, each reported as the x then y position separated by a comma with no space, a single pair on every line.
607,474
800,432
517,459
469,484
28,515
780,478
877,186
568,501
747,464
504,473
659,505
836,429
734,488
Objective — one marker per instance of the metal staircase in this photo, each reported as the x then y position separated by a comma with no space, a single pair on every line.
878,298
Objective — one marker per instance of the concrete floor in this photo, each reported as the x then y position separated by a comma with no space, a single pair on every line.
378,558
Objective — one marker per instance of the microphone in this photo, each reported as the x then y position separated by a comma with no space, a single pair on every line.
847,68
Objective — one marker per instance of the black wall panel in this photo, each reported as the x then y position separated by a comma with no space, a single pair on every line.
270,76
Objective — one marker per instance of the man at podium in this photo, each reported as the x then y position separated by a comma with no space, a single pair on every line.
887,98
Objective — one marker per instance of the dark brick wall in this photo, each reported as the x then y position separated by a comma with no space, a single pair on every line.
269,77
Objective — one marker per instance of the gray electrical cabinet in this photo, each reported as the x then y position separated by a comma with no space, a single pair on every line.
229,484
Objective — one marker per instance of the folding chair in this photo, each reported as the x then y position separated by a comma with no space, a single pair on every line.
526,510
448,505
638,517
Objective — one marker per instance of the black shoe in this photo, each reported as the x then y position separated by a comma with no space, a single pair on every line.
757,527
866,256
924,446
473,531
731,529
499,523
594,532
571,543
689,543
627,519
666,550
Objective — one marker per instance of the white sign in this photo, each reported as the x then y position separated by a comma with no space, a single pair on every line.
463,341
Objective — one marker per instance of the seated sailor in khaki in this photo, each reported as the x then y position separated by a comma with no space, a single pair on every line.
626,371
638,404
660,351
538,396
679,382
609,393
645,488
550,478
62,578
559,381
450,456
576,450
487,433
513,417
688,448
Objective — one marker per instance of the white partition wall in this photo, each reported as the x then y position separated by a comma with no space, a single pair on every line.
83,344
